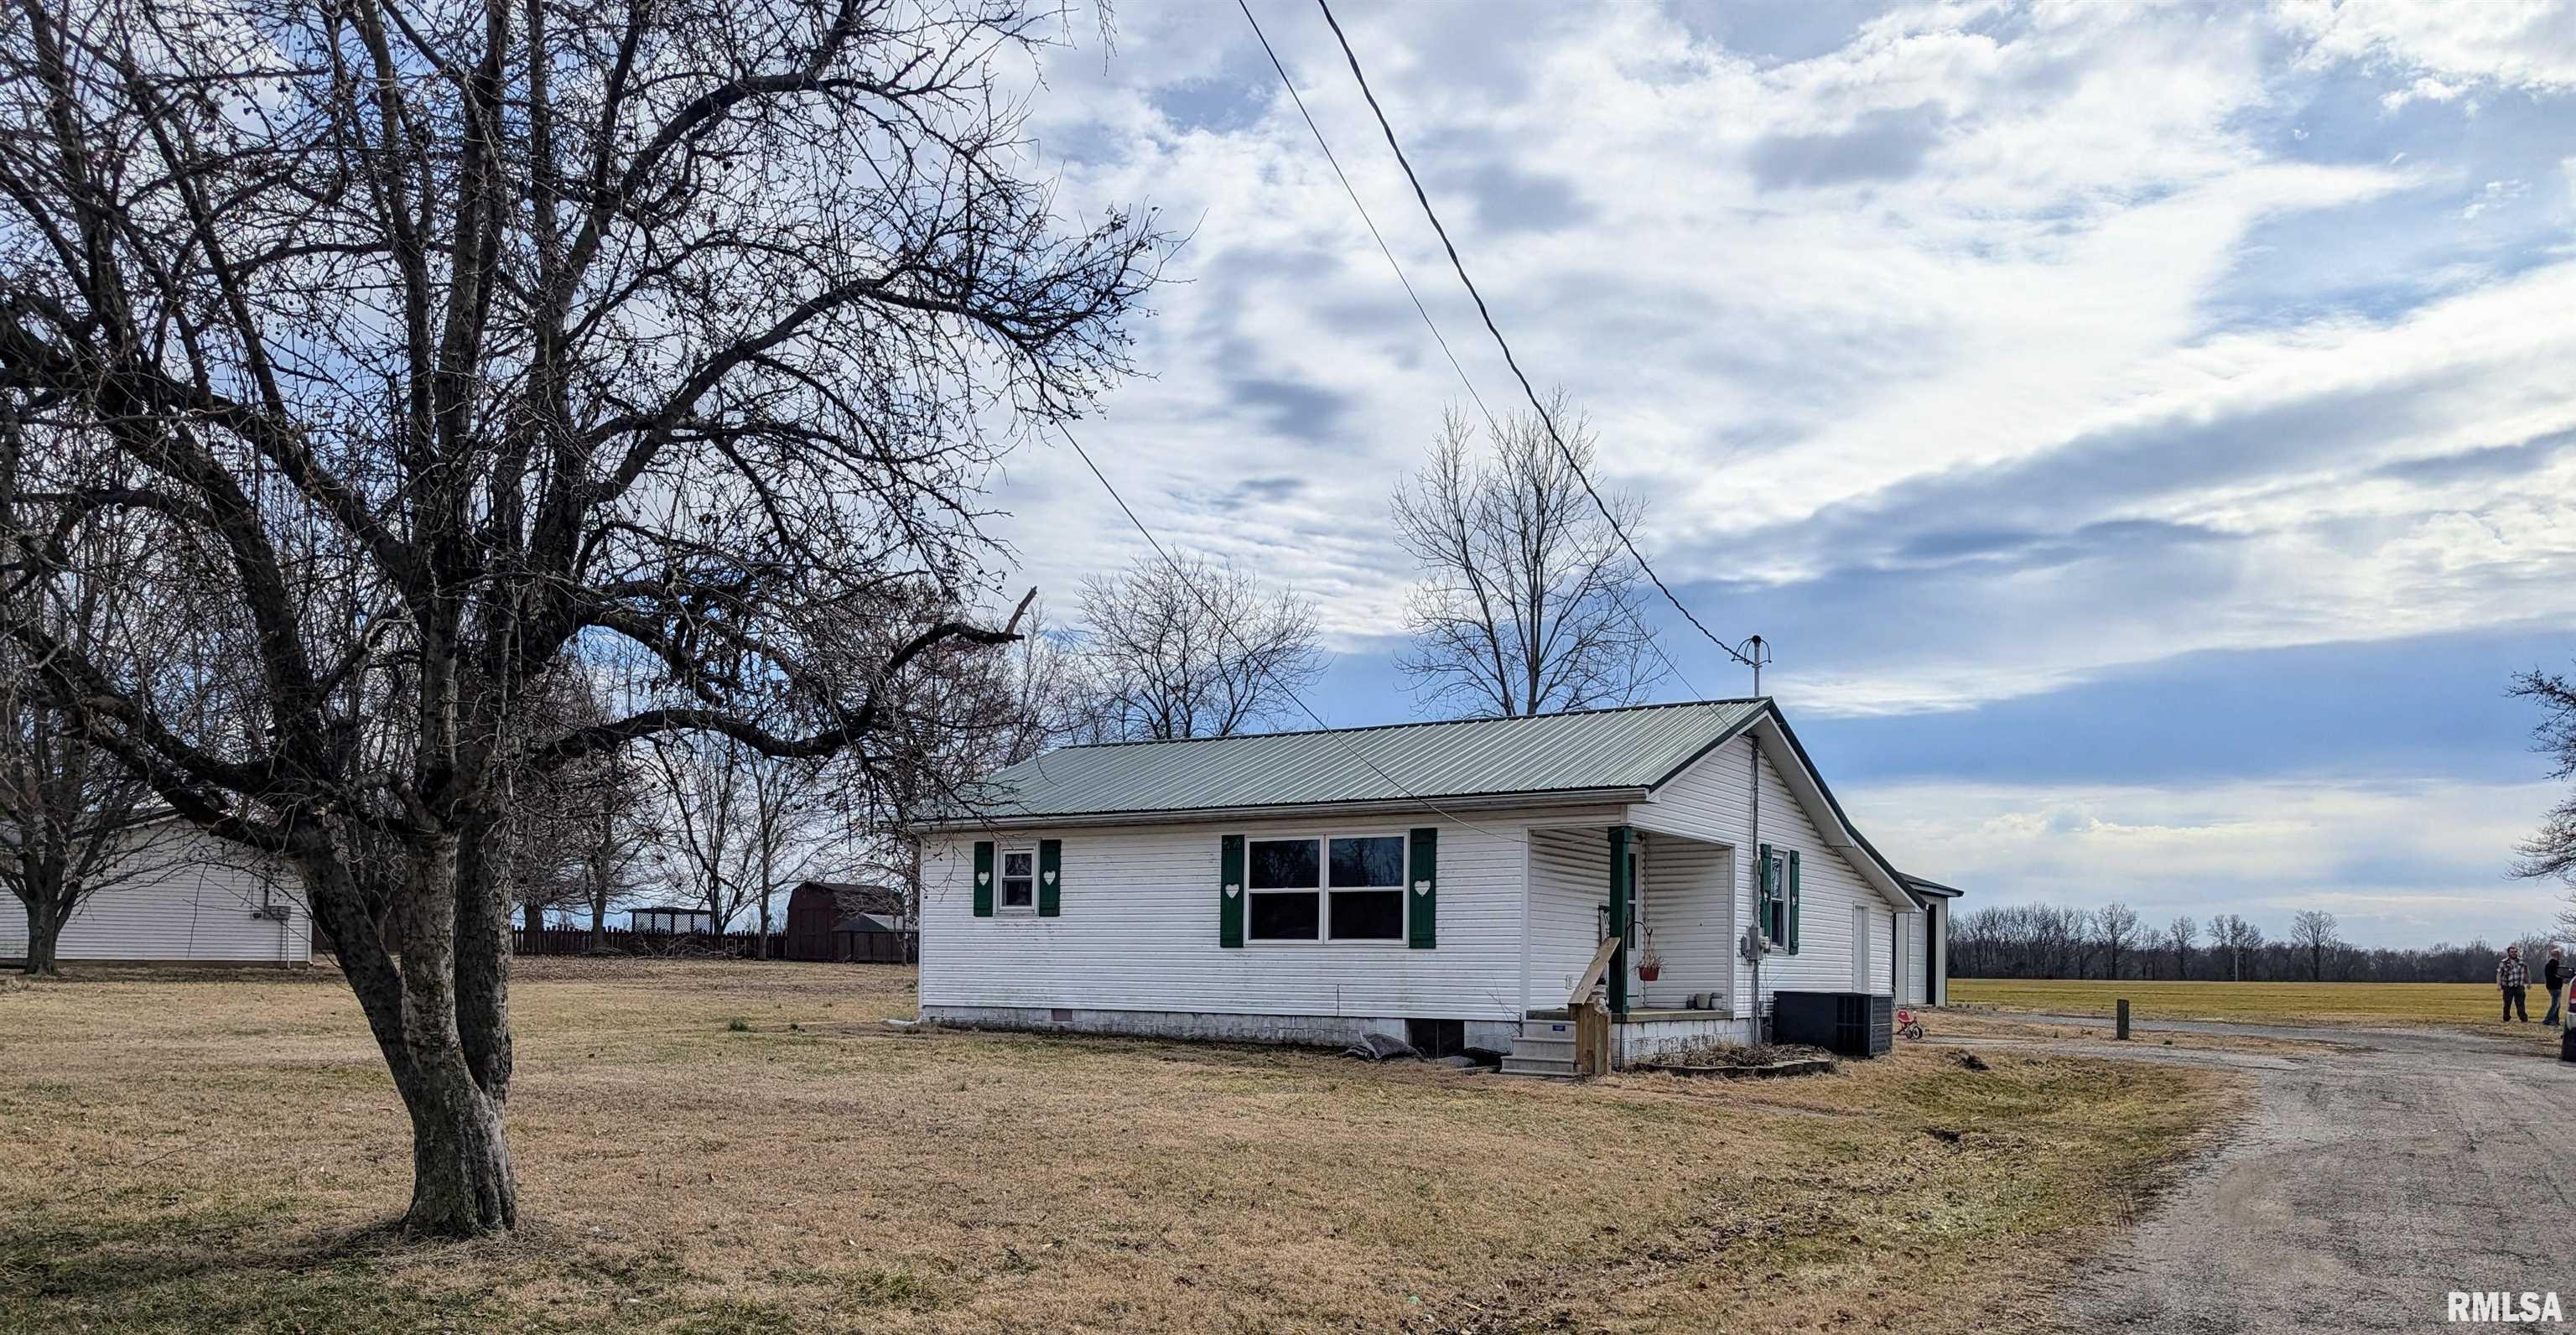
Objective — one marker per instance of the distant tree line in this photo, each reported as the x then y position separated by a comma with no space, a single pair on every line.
2113,942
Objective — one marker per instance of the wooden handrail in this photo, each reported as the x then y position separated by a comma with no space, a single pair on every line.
1592,973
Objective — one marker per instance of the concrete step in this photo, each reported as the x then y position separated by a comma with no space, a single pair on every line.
1526,1046
1550,1067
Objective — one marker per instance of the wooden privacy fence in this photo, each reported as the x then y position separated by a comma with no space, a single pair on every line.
829,947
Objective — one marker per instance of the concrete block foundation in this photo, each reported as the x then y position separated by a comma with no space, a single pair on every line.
1313,1031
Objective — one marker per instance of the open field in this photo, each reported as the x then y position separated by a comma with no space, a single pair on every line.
2459,1005
218,1152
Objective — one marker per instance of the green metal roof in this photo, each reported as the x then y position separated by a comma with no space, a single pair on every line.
1589,750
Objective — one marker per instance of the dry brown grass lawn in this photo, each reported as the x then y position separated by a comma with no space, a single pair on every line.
217,1152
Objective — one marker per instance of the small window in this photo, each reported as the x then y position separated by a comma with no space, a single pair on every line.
1347,889
1020,879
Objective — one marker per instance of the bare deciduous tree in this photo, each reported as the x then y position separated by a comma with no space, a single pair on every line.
1191,648
459,335
2180,934
74,819
1528,602
743,826
2232,933
2118,925
2313,931
2551,852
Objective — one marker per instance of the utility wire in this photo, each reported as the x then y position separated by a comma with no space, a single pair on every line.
1284,688
1646,632
1353,192
1739,654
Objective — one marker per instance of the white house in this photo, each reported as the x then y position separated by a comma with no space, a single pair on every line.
199,899
1442,882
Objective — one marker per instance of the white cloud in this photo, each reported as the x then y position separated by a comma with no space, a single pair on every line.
2492,194
2425,89
1972,238
2525,45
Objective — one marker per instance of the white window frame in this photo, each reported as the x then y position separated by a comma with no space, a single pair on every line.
1001,861
1323,890
1775,943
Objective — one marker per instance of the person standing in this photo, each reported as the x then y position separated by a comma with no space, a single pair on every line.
2553,975
2512,977
2567,1037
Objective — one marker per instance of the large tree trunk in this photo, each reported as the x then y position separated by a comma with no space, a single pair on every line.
437,1044
44,936
461,1183
482,966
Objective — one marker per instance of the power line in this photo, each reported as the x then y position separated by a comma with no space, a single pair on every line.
1275,679
1429,323
1738,653
1353,192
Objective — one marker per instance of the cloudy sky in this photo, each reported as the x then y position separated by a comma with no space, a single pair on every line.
2143,431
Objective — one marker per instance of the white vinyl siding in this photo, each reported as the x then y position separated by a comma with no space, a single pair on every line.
1687,910
1569,882
1708,802
1139,928
1912,993
194,904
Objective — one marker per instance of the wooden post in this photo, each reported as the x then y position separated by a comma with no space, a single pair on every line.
1592,1038
2124,1017
1592,1014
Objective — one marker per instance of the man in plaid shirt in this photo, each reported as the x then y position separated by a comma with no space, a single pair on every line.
2512,975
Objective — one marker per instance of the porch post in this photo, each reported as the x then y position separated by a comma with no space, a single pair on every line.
1620,890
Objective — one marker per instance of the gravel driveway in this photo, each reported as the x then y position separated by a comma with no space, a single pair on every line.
2368,1184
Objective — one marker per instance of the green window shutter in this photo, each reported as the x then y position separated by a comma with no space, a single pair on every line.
1622,906
1793,901
1422,913
983,878
1229,903
1050,863
1762,876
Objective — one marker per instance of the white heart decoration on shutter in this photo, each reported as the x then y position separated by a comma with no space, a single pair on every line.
1422,887
983,876
1231,890
1049,878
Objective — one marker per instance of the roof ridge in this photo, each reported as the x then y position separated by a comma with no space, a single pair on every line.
1422,723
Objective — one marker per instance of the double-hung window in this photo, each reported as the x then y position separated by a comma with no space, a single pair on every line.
1019,880
1332,888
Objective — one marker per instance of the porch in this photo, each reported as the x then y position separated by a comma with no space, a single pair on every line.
1646,919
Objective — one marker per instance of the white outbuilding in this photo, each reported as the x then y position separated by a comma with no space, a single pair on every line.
188,897
1452,884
